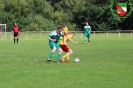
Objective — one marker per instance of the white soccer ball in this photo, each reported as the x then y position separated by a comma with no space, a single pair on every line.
76,60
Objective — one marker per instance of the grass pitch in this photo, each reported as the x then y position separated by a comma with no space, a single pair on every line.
105,63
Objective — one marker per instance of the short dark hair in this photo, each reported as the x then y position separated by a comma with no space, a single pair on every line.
73,33
59,27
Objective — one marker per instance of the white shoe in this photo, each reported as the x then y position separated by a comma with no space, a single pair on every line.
57,62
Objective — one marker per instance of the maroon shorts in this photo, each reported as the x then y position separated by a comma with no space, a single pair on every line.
65,48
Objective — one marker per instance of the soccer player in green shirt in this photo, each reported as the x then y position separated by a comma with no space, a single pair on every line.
87,30
54,37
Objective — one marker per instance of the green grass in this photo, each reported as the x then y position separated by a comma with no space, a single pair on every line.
105,63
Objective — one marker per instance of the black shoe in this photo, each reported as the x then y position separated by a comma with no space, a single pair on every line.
48,59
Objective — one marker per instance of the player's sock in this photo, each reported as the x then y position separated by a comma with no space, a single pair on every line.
67,60
66,55
85,40
51,54
58,57
17,39
14,40
88,40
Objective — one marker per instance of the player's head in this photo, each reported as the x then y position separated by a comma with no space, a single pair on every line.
64,26
59,29
87,23
72,33
15,24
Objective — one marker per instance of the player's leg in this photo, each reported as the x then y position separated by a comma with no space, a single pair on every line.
68,54
53,47
85,36
14,37
51,54
17,38
88,38
59,54
65,48
67,59
14,40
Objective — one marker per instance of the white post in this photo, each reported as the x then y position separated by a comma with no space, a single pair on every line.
94,34
107,34
5,31
131,33
11,35
26,34
40,35
81,34
119,34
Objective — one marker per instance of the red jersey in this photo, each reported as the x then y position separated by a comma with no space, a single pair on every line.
15,29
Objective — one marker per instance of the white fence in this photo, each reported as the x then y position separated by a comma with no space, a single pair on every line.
79,34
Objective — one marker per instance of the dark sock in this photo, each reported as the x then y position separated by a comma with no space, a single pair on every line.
14,40
17,39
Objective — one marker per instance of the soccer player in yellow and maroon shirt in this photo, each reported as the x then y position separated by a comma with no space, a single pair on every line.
65,47
65,30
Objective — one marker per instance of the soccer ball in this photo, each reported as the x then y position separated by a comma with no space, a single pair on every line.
76,60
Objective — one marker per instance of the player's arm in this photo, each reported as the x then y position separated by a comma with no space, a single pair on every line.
84,28
90,30
72,41
49,38
18,30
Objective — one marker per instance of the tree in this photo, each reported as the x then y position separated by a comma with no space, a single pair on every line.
99,18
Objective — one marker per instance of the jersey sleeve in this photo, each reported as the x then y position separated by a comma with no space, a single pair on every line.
50,35
84,27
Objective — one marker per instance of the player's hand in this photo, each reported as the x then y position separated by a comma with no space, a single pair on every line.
54,40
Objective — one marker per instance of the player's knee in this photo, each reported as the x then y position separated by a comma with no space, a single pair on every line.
60,50
71,51
54,49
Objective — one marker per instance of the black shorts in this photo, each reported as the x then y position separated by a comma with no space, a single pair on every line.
15,34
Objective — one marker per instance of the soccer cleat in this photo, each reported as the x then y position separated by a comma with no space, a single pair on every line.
83,42
67,60
62,59
48,59
57,62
